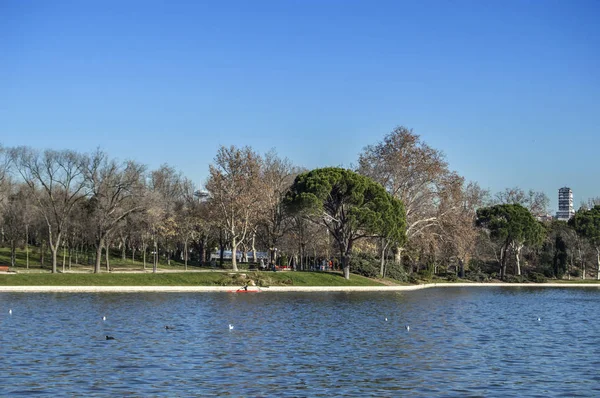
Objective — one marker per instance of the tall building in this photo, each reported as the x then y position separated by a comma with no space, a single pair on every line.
565,204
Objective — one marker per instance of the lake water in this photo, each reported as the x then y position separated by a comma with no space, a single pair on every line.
462,342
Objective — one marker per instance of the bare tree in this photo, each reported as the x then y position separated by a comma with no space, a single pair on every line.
166,195
5,162
590,203
536,202
12,218
458,227
234,187
116,191
57,181
190,218
277,176
416,174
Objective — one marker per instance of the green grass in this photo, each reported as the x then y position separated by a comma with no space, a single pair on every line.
116,261
82,275
184,279
317,279
573,281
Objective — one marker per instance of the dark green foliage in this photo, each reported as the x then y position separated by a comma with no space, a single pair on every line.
283,261
515,279
552,258
397,272
560,257
426,273
350,205
365,264
536,277
477,276
587,224
576,273
511,225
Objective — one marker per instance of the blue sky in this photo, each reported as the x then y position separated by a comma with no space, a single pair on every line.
509,90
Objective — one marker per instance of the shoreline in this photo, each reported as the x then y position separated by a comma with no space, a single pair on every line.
272,289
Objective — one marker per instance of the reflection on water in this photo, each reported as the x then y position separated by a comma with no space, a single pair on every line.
462,341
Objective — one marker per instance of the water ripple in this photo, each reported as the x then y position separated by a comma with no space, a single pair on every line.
462,342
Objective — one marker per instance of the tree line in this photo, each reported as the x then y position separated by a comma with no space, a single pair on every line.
400,213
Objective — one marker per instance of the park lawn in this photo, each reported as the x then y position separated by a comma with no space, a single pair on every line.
116,261
303,278
184,279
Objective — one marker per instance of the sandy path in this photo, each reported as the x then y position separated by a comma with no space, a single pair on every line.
137,289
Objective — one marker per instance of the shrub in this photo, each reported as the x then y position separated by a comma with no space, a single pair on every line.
396,271
515,279
537,277
365,264
452,278
476,276
283,261
576,273
426,273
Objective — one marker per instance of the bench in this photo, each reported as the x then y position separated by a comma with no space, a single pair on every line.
3,268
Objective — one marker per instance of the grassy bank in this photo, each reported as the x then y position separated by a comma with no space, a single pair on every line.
185,279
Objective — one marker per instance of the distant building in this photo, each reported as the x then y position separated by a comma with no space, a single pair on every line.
240,254
544,217
565,204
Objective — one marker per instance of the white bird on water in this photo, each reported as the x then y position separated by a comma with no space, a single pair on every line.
103,318
539,319
9,312
407,328
230,326
386,319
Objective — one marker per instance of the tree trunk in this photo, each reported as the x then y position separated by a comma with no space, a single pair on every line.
398,255
461,268
98,262
346,265
27,245
598,260
503,261
107,252
144,248
168,251
185,248
77,253
155,256
203,256
254,259
346,251
382,262
518,259
54,246
221,250
581,260
13,253
234,246
54,251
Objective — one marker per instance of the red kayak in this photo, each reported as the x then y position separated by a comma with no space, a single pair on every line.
243,291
